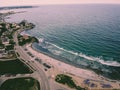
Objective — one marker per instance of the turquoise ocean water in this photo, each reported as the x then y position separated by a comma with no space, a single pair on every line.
86,36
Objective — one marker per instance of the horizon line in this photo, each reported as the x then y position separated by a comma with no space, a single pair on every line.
64,4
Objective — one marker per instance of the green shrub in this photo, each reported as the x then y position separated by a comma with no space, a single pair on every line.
64,79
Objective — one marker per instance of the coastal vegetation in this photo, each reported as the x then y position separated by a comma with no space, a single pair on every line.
67,80
24,39
26,25
20,84
13,67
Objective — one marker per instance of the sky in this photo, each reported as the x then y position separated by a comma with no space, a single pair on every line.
44,2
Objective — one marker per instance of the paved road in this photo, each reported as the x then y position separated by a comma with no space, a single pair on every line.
42,78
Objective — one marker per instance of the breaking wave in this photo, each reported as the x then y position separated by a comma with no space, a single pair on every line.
96,59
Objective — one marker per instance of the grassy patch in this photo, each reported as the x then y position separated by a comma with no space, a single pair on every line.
67,80
20,84
13,67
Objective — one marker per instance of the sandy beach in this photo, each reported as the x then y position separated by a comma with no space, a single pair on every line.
78,74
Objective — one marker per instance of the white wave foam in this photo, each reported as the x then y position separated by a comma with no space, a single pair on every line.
109,63
41,40
64,49
97,59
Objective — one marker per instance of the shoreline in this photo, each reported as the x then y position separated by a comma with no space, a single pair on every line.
60,59
51,58
63,60
66,63
65,68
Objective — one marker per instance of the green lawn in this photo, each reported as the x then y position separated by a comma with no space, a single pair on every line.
13,67
20,84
